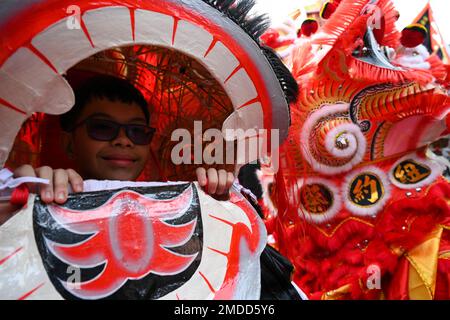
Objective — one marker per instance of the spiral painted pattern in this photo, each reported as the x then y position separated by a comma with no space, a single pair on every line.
330,142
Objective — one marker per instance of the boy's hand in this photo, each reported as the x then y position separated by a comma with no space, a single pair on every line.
58,188
215,182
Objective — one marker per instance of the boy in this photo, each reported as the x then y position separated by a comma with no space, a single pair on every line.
107,135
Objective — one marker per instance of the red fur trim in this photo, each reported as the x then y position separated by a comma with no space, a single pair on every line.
391,36
333,67
271,38
270,225
353,257
340,22
442,290
325,263
446,82
406,222
444,266
378,253
316,296
437,67
301,57
361,70
339,276
352,230
329,262
353,38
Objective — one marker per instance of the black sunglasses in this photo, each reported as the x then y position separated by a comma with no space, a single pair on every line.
108,130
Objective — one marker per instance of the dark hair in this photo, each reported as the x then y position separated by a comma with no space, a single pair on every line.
111,88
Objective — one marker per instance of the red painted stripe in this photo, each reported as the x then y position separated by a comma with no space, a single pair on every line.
26,295
86,32
42,57
211,46
233,73
224,221
133,24
175,28
218,251
249,102
207,282
10,256
9,105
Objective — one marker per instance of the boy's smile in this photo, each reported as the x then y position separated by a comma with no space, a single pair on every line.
118,159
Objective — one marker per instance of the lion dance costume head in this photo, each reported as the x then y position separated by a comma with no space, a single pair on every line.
362,212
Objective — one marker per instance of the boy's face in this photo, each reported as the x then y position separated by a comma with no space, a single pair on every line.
118,159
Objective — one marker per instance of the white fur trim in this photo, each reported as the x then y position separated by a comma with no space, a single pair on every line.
356,139
435,167
368,210
327,215
413,57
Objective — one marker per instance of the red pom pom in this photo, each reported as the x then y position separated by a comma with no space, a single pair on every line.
413,35
270,37
19,196
309,27
328,9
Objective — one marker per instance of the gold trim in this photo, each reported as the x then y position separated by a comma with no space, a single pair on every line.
444,255
423,261
329,235
337,293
